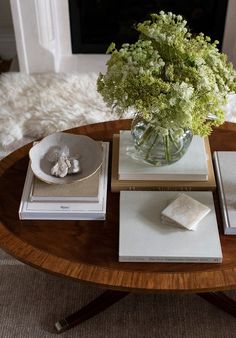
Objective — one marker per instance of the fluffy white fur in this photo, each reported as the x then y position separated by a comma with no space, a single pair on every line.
37,105
33,106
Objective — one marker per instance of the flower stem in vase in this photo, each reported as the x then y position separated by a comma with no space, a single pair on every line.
167,148
151,147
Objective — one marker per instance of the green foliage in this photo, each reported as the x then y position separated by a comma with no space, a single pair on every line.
170,77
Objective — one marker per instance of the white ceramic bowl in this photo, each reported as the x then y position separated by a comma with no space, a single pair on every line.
88,150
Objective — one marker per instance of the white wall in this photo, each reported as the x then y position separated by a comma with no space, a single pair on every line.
7,37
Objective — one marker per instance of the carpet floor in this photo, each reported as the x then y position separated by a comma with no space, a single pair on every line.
31,302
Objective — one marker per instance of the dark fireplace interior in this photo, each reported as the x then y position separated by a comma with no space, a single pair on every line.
97,23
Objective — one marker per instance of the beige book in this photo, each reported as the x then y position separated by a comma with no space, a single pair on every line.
118,185
85,190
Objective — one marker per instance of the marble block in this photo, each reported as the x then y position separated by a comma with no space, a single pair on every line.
184,212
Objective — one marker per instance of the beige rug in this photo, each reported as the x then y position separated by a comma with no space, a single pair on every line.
31,301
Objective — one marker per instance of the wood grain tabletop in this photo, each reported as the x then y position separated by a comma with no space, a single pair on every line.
87,251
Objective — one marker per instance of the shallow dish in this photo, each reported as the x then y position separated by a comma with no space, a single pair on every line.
83,147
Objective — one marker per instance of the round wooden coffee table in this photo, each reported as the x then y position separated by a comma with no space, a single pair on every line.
88,250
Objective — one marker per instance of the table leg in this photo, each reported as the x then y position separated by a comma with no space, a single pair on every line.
110,297
99,304
220,300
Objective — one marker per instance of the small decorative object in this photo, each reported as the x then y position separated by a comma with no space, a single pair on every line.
56,157
74,166
175,82
63,164
60,169
184,212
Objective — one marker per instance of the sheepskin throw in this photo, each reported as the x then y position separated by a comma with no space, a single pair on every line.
33,106
37,105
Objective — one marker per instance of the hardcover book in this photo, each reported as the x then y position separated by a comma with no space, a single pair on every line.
185,169
66,208
82,191
225,164
144,238
118,184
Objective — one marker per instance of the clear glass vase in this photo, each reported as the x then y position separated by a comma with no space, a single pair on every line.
156,149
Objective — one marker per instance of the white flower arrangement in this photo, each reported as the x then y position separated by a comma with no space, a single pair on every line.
170,77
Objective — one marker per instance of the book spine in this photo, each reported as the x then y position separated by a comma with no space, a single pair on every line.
62,216
155,177
26,189
171,259
222,197
130,187
64,199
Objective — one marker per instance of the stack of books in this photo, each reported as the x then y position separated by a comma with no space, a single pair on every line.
81,200
143,237
194,171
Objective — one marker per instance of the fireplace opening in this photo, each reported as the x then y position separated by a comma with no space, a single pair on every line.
95,24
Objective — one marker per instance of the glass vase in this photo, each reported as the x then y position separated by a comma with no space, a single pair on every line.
154,148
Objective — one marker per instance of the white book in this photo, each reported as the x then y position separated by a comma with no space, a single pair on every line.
191,167
225,168
69,210
144,238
